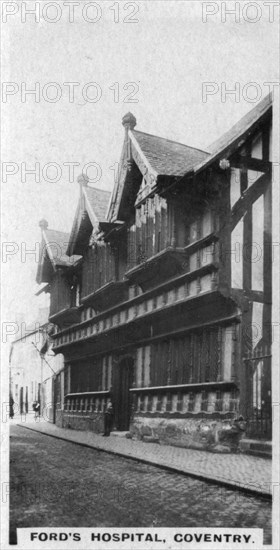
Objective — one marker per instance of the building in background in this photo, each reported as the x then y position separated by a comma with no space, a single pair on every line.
33,367
162,296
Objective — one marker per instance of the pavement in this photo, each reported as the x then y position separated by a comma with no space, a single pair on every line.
239,471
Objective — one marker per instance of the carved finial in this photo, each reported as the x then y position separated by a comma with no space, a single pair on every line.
224,164
129,121
83,179
43,224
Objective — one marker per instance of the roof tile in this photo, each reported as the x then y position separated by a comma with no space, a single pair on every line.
242,125
57,244
167,157
99,200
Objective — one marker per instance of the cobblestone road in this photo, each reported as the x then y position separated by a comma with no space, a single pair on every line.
251,473
55,483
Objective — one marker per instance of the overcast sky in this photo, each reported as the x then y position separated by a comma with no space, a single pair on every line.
167,55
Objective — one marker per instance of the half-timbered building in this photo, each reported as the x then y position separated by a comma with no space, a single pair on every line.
163,297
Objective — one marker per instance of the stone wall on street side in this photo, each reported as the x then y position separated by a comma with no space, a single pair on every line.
93,422
212,434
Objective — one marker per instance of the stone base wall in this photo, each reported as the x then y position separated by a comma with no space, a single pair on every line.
58,417
93,422
211,434
217,435
48,414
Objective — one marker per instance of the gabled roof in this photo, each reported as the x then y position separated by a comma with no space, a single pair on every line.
154,156
158,157
166,157
98,201
241,127
53,253
113,207
56,244
233,138
143,156
91,209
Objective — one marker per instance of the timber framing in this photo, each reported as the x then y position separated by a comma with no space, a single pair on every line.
156,312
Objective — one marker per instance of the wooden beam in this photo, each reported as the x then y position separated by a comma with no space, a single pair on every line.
267,245
243,180
250,163
265,143
247,249
251,195
251,295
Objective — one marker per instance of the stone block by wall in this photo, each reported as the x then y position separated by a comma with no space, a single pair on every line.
58,417
212,434
49,415
93,422
215,435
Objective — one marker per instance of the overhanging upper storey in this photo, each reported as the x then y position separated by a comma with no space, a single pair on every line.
53,254
92,207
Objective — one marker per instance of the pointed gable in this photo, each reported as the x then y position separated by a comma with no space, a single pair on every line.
156,158
148,164
97,200
53,254
91,209
166,157
125,165
56,245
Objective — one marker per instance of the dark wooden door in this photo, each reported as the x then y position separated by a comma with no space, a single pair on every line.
123,376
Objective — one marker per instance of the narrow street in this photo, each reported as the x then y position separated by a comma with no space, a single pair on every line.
55,483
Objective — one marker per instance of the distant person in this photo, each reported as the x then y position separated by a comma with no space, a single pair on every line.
108,418
36,408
